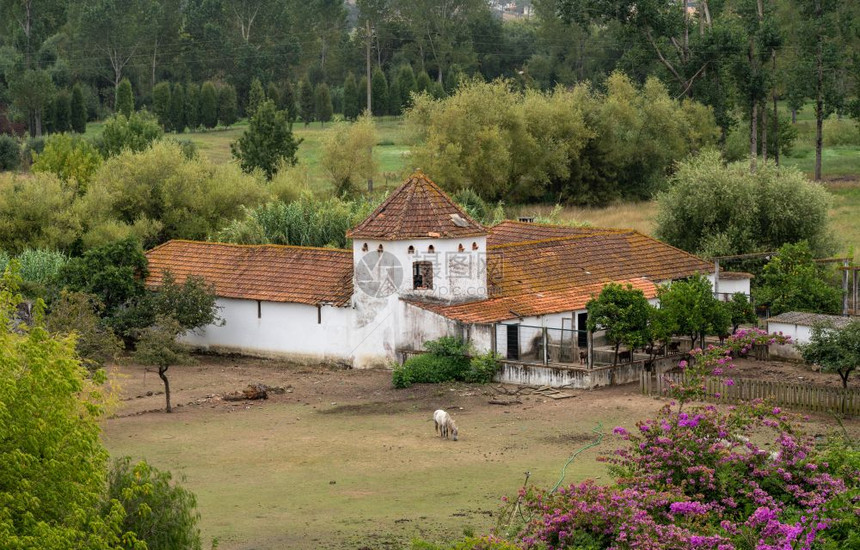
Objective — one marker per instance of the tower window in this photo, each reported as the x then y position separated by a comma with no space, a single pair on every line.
411,250
422,275
379,249
431,249
364,247
474,246
461,248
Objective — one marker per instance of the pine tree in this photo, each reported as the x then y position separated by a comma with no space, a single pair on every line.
62,111
124,98
288,102
208,105
228,109
322,103
79,110
394,107
177,108
423,82
267,141
256,96
273,94
379,92
350,98
306,101
192,106
406,85
362,95
161,104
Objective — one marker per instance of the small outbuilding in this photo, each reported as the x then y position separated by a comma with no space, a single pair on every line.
799,325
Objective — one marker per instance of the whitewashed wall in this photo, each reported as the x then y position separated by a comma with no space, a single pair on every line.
732,286
457,276
282,329
800,334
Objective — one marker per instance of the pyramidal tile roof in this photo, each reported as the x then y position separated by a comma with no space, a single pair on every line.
417,209
273,273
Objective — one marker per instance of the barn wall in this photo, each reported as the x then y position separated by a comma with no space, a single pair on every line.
282,329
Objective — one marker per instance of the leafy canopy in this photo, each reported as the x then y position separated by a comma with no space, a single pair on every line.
267,143
792,281
834,349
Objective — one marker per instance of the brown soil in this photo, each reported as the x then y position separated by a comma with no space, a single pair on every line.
787,371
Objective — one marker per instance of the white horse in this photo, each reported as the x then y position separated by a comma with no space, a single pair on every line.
445,424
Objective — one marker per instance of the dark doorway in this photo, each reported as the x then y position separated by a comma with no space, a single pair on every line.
581,335
513,341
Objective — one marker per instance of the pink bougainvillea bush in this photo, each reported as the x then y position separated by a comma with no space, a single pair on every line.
695,480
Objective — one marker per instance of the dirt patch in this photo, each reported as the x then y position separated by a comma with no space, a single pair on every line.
571,438
788,372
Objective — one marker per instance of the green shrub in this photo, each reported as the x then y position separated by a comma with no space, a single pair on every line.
447,360
158,510
482,368
10,153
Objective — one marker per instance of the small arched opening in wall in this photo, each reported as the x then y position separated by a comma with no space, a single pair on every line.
379,249
431,249
461,248
410,250
474,246
364,247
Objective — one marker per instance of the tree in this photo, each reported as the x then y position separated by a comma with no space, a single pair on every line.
52,461
79,110
124,98
38,213
113,273
821,47
228,110
740,310
71,158
208,105
158,345
177,309
713,209
288,102
406,85
348,154
267,142
161,512
394,107
306,101
62,112
135,133
622,312
273,94
692,309
192,105
256,96
322,103
177,108
791,281
362,94
78,313
350,98
31,92
10,153
423,82
379,92
834,349
161,102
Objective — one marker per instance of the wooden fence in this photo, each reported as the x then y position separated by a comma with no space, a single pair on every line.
798,396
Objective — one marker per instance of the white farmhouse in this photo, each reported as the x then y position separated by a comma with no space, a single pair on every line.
420,268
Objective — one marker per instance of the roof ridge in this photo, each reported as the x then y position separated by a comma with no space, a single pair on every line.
240,245
562,226
540,241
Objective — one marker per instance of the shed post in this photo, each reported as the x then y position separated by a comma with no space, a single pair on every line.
845,287
717,279
545,351
590,349
494,337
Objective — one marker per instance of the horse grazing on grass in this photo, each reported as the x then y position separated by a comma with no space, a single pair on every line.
445,424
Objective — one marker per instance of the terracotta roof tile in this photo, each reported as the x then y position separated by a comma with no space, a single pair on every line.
735,275
528,305
417,209
578,257
271,273
809,319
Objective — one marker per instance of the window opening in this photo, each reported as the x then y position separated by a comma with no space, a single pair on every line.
422,275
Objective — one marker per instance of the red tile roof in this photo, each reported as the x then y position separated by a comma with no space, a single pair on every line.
417,209
271,273
536,263
528,305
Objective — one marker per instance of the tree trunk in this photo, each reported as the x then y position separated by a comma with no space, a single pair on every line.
794,116
154,58
615,358
162,373
775,120
753,136
819,98
764,132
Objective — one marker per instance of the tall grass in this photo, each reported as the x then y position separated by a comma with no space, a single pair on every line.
37,266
